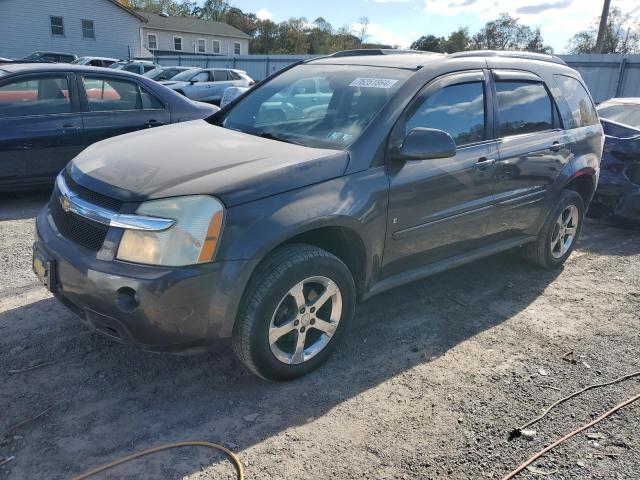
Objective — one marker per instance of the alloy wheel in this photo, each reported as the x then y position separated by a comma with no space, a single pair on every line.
564,231
305,320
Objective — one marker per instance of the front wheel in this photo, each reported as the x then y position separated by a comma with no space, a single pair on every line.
560,233
295,310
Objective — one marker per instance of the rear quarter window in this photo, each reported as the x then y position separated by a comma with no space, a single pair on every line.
583,112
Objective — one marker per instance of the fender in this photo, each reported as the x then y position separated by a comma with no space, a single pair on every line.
356,202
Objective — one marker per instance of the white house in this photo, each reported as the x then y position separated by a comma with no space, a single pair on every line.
106,28
162,34
84,27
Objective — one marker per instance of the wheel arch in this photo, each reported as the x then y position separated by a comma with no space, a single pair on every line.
584,182
338,238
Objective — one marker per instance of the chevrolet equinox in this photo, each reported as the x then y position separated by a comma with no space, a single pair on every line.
333,180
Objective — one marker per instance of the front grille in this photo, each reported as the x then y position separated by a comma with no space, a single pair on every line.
91,196
80,230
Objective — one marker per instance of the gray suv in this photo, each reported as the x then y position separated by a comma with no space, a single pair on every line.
334,180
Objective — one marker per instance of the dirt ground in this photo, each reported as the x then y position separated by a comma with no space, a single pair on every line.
429,381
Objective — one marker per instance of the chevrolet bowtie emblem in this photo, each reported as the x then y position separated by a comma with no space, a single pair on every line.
65,201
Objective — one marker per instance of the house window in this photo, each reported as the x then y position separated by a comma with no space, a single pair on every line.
201,45
177,44
87,29
152,41
216,46
57,27
236,48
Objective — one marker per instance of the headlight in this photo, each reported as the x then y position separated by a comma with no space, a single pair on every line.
192,239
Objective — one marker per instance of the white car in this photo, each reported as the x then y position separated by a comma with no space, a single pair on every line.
95,61
208,84
231,93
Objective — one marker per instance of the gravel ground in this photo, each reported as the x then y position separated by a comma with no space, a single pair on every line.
428,383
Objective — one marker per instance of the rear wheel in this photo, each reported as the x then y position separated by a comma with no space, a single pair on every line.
295,310
559,235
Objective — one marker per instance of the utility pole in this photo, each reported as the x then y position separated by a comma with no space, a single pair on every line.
603,26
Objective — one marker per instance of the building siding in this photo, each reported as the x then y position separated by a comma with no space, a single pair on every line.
25,27
165,42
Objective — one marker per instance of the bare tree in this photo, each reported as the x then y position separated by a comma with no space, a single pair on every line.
362,29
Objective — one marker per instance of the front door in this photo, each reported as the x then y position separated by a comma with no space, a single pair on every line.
40,127
114,106
439,208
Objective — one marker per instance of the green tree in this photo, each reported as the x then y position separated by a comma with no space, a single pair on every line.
621,35
428,43
507,33
457,41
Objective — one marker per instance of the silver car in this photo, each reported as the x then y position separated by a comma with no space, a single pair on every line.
208,84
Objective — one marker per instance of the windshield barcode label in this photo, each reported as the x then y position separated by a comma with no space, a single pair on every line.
373,82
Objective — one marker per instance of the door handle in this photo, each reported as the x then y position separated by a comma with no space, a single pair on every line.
556,146
153,123
68,129
484,162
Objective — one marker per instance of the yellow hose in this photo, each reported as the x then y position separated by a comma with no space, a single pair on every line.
232,456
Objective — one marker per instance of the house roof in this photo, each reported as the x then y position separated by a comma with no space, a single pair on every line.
128,10
191,25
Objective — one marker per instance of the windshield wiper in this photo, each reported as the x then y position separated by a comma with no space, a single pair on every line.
271,136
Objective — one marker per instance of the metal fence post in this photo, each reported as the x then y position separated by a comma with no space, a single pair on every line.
621,70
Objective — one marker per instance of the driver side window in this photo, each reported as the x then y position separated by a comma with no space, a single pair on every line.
457,109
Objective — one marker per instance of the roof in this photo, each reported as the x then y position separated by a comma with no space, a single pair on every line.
624,100
192,25
13,68
128,10
395,60
413,59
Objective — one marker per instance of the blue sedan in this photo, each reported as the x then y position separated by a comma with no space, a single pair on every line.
50,112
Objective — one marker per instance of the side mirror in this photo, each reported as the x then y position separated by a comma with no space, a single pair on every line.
194,80
425,144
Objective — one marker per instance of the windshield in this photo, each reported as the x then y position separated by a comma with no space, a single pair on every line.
117,65
80,61
317,105
34,56
162,73
186,75
627,114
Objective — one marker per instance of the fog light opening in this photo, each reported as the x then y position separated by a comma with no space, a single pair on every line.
127,299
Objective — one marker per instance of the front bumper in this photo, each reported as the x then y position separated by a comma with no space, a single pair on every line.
155,308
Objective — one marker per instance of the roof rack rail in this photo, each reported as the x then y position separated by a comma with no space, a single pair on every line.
543,57
375,51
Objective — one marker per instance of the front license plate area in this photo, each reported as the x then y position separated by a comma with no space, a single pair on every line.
44,268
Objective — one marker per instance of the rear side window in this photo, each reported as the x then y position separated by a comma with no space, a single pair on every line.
42,96
111,95
220,76
583,113
150,102
523,107
457,109
233,75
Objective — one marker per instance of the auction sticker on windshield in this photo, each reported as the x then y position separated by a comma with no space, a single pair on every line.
373,82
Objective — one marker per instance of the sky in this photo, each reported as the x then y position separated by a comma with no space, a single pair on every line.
403,21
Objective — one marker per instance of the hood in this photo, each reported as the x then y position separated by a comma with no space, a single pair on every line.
199,158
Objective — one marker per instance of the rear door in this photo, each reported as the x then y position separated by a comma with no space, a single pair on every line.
115,105
40,127
222,79
532,150
438,208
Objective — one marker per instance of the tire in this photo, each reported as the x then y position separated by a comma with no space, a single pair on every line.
541,252
266,336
